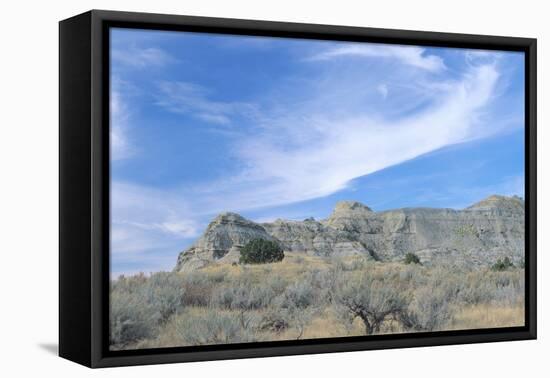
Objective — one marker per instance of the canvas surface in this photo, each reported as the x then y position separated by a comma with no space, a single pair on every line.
279,189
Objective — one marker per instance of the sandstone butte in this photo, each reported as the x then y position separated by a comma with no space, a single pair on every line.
475,236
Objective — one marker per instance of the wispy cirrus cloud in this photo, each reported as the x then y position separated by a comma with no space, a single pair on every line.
141,57
150,208
302,157
196,100
121,147
383,90
297,157
409,55
148,226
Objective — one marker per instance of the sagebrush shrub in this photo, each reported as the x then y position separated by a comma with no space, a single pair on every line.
131,318
198,289
215,327
165,293
252,303
412,274
298,295
140,304
275,321
275,283
429,310
243,296
509,287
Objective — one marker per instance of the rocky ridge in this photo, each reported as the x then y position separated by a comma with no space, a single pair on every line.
476,236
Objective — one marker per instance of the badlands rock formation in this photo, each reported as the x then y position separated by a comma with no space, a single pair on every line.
475,236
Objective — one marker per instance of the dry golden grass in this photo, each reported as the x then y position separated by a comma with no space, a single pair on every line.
328,325
488,316
290,268
479,316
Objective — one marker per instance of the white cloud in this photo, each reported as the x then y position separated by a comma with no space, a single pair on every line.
121,147
383,90
409,55
477,57
140,58
120,110
148,223
188,98
299,157
152,209
303,158
182,228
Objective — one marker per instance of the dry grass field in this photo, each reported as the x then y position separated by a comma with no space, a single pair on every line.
305,297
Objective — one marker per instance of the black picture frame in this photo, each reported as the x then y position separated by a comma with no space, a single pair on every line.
84,187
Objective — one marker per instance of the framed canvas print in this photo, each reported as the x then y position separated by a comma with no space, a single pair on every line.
235,188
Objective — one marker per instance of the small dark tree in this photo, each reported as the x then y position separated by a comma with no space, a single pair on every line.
371,301
502,265
411,258
261,251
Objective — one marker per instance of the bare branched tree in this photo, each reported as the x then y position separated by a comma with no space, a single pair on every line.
371,300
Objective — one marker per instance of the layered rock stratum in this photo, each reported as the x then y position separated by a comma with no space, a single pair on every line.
475,236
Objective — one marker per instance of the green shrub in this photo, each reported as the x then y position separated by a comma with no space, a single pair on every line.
411,258
260,251
502,265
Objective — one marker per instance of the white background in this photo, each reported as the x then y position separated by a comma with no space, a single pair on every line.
29,186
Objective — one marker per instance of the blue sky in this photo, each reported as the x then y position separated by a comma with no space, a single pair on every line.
284,128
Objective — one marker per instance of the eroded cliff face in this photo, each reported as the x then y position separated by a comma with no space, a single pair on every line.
222,240
477,236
